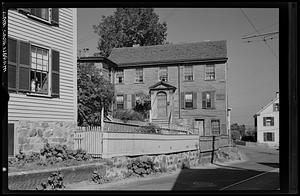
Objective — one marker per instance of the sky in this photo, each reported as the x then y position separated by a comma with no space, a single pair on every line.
253,68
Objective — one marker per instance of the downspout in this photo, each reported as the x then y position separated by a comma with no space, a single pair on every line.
179,101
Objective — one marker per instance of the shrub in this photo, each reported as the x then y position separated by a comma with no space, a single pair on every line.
126,115
150,128
141,168
55,182
99,177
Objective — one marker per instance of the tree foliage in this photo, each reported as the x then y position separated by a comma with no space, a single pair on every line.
237,131
143,105
130,26
94,91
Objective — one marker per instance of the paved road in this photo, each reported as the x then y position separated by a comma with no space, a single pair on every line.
260,171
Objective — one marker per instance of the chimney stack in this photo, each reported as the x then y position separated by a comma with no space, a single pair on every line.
277,94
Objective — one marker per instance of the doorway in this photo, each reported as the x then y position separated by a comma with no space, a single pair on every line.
199,124
162,104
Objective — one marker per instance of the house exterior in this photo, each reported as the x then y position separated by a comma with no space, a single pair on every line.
266,122
186,82
42,77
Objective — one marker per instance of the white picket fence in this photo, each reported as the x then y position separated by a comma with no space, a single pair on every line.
90,140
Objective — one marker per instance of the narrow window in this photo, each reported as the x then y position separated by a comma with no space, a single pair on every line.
120,76
188,99
139,75
215,127
268,121
208,100
210,72
120,101
276,107
163,74
269,137
39,73
188,73
42,13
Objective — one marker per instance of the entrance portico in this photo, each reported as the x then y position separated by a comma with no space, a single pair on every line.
162,99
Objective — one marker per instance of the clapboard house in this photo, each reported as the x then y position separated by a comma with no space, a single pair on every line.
186,82
42,77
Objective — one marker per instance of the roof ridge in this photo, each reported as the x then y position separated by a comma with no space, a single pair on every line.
171,44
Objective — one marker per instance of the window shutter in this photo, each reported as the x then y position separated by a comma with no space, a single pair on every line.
125,101
12,64
272,121
204,100
265,136
133,101
194,99
10,134
55,74
213,100
264,121
55,16
274,110
24,66
182,101
24,10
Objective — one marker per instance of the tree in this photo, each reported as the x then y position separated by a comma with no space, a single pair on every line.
130,26
94,91
143,105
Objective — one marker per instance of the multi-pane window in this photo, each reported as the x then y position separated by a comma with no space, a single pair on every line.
163,74
276,107
268,121
268,136
210,72
208,100
188,100
120,76
39,72
188,73
120,101
215,127
42,13
139,75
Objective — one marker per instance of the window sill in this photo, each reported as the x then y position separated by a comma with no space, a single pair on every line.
48,22
119,83
38,95
189,108
188,80
208,108
209,79
139,83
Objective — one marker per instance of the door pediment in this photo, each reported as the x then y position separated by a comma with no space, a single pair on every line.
162,86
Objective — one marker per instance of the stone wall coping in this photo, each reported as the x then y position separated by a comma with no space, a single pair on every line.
54,169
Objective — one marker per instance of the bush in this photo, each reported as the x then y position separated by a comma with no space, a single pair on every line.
249,138
99,177
150,128
126,115
55,182
141,168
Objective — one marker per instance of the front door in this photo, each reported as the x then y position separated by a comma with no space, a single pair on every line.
199,124
162,104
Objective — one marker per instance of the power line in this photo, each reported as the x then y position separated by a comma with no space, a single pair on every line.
249,21
262,29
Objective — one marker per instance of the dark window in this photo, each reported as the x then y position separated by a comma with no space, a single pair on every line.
39,73
268,121
210,72
188,99
10,134
139,75
208,100
120,101
276,107
163,74
42,13
188,73
215,127
269,137
120,76
28,69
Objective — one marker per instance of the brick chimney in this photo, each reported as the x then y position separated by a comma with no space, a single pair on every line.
277,94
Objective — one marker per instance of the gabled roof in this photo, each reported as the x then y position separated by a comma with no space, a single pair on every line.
164,86
263,108
96,59
160,54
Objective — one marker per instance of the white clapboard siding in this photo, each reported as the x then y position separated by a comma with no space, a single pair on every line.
63,39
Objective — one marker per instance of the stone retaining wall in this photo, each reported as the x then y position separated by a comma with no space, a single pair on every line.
116,168
32,135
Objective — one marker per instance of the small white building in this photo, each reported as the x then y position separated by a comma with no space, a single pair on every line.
267,123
